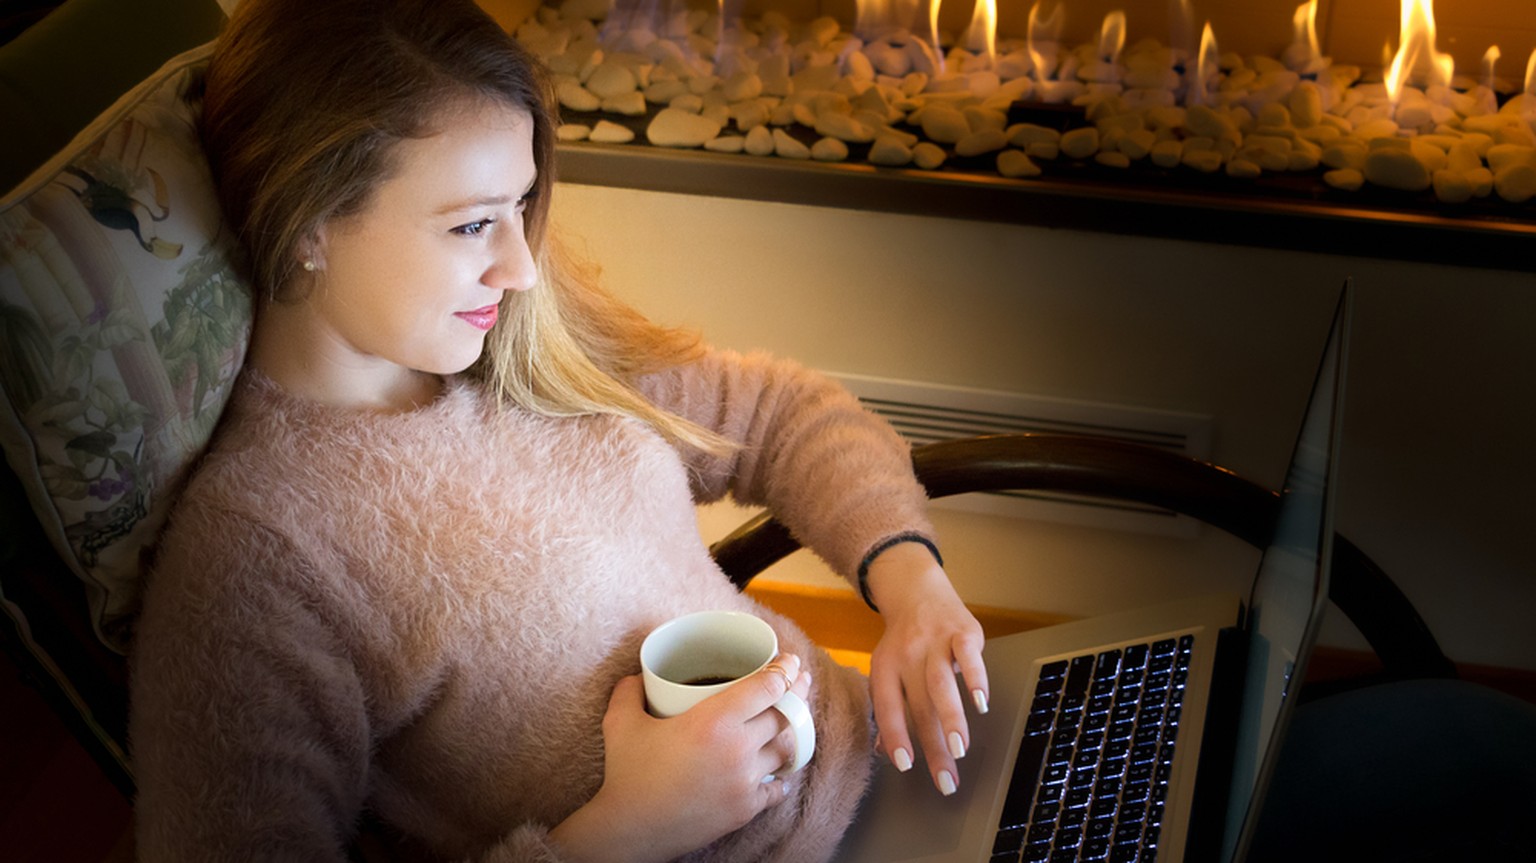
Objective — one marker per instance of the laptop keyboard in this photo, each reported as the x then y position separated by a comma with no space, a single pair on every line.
1091,779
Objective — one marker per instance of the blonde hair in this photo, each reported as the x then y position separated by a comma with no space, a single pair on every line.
301,128
567,348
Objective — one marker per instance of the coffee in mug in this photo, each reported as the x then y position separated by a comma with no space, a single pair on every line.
689,658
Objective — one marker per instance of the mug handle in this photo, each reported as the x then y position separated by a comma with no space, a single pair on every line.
799,715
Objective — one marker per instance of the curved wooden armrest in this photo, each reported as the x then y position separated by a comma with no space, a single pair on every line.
1120,470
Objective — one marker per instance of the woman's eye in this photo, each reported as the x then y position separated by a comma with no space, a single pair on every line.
474,229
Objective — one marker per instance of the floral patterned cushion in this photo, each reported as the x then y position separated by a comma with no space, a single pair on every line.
122,327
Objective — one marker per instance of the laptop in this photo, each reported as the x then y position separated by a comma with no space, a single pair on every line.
1145,735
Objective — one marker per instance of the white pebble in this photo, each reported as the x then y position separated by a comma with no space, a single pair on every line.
1113,159
1348,179
1047,150
1204,161
674,128
843,127
576,97
693,103
728,144
1243,169
889,151
1482,182
1208,123
1024,134
1518,135
1167,154
829,150
787,147
1452,187
1346,153
663,92
977,143
1138,144
889,59
1501,156
572,132
1376,129
928,156
741,86
631,104
944,125
979,118
1301,160
1516,183
1080,143
1306,104
609,132
1396,168
1014,163
747,115
611,79
759,141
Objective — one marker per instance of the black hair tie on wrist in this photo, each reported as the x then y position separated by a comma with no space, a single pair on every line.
876,552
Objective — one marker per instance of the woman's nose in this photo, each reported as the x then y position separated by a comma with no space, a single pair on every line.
513,268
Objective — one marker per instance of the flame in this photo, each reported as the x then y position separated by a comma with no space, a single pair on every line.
1112,36
1041,30
1205,67
1305,22
1416,48
1490,59
983,30
1530,75
933,31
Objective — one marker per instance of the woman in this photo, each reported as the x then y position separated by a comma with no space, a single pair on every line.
455,489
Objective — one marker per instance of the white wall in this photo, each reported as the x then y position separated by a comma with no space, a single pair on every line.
1436,464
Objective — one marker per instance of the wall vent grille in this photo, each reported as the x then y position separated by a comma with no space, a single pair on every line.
924,413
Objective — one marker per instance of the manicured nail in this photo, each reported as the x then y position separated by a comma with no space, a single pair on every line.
980,698
946,783
956,745
902,759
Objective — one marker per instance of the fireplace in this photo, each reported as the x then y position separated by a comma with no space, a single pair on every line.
1326,126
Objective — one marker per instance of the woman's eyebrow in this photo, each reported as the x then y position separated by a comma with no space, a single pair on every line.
473,204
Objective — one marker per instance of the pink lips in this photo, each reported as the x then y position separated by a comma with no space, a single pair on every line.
480,319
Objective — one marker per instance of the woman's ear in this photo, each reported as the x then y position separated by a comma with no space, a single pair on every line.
312,251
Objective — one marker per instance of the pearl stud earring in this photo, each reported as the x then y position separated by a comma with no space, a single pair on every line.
309,267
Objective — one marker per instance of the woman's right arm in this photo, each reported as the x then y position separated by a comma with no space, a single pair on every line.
249,727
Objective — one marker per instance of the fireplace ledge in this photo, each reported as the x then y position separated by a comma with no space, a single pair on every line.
1275,211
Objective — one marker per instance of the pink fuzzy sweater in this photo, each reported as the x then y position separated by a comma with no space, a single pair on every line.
414,621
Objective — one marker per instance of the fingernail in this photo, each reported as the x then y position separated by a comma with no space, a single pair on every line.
902,759
980,698
956,745
946,783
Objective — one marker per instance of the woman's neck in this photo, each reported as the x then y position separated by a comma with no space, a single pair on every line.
287,349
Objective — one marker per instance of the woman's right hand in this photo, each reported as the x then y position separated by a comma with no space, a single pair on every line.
671,786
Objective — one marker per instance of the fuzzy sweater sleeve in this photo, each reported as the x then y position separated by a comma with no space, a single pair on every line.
250,727
249,731
835,474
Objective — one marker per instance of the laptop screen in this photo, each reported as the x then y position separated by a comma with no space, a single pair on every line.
1289,590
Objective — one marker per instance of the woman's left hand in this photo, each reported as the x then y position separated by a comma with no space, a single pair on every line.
929,636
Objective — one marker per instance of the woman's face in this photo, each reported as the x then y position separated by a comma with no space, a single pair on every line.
412,283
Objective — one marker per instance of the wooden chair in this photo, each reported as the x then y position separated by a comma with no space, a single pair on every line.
1112,469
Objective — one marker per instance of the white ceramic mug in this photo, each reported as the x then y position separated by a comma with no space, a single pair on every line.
689,658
